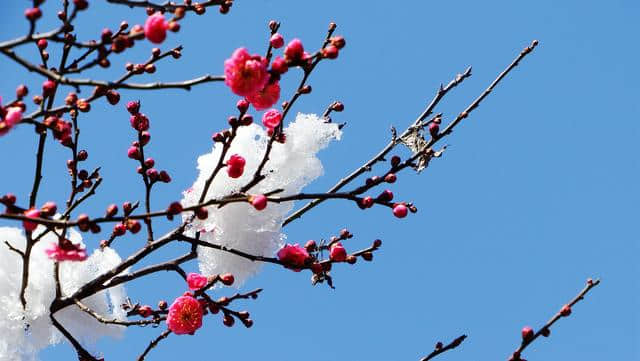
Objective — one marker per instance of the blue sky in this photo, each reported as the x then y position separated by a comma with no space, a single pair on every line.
537,192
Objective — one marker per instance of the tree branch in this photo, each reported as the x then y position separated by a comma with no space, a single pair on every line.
441,349
546,329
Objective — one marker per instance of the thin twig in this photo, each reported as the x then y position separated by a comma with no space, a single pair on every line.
168,6
441,349
442,91
545,330
153,344
115,321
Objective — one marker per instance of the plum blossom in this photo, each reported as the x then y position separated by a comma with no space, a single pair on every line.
185,315
245,74
293,256
155,28
10,116
235,166
266,97
271,118
65,250
196,281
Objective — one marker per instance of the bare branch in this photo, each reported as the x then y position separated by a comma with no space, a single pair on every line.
441,349
546,329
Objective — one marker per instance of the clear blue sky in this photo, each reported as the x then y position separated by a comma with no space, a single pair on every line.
537,192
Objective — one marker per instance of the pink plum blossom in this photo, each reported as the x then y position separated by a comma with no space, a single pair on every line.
245,74
293,256
196,281
185,315
66,251
271,118
235,166
155,28
13,116
266,97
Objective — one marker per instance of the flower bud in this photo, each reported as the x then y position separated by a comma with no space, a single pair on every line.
49,209
48,88
202,213
311,245
82,155
276,41
119,229
527,334
390,178
134,226
112,210
227,279
259,201
113,97
337,252
400,210
330,52
134,153
145,136
133,107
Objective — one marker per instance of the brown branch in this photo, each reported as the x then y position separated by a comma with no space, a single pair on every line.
172,265
12,248
30,38
186,84
545,330
114,321
38,176
168,6
234,198
367,166
251,257
94,285
82,352
442,91
441,349
153,344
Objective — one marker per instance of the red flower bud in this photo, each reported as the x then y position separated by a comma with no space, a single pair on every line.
400,210
227,279
48,88
119,229
330,52
311,245
134,226
33,14
527,334
259,201
202,213
112,210
134,153
48,209
133,107
28,225
337,253
242,105
276,41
